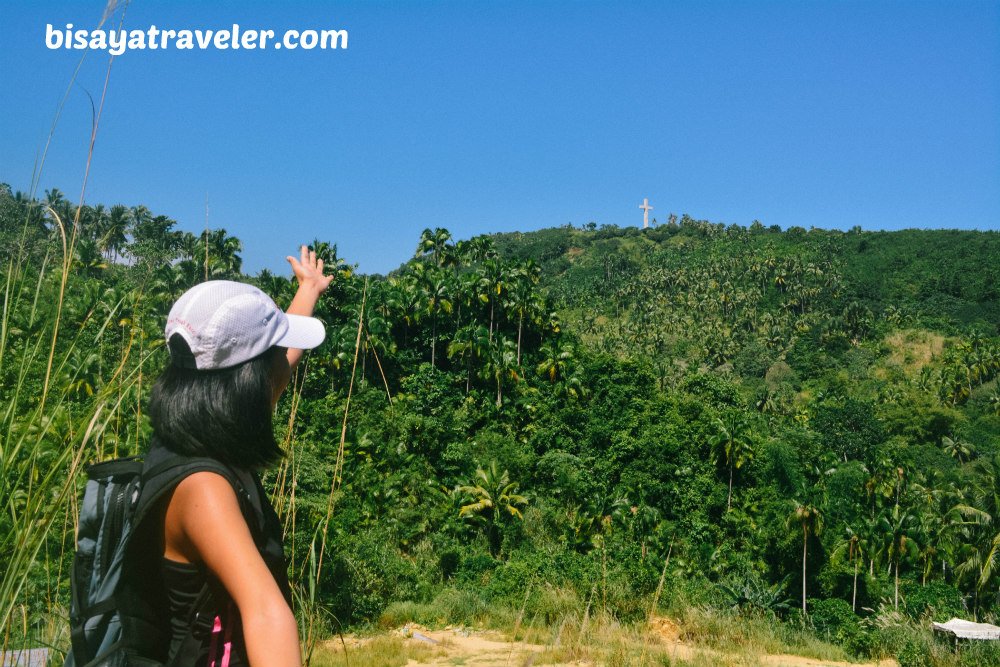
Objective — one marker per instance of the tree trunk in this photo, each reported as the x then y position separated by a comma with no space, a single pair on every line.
895,595
519,322
364,365
434,329
805,535
729,501
854,596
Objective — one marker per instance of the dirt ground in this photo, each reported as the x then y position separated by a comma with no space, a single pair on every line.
461,646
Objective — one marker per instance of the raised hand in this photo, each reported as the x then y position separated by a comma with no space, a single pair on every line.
309,271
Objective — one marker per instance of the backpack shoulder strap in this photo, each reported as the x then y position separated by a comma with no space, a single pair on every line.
162,473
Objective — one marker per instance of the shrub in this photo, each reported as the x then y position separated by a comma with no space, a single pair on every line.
459,606
937,600
476,570
834,620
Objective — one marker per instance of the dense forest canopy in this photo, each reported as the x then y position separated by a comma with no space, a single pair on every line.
780,421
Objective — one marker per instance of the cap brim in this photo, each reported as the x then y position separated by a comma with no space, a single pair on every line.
304,333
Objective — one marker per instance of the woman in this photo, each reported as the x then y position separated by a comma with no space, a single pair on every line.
232,355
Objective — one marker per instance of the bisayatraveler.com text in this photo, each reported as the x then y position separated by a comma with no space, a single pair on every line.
118,42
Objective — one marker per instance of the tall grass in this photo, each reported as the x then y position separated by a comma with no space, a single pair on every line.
47,432
46,435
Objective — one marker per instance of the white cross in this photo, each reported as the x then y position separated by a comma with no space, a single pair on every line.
646,208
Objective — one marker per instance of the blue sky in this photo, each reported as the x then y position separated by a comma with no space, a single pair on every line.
502,116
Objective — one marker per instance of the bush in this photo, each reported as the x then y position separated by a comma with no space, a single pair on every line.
476,570
834,621
458,606
937,600
508,584
368,573
913,653
449,562
980,654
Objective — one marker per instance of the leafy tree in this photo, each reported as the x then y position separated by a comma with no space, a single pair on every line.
494,497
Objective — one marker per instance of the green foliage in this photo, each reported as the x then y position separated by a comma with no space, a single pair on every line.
834,620
936,601
749,595
560,409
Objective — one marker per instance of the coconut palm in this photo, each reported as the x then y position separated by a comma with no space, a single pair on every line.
811,521
502,364
436,243
470,342
958,448
898,542
733,442
114,239
494,497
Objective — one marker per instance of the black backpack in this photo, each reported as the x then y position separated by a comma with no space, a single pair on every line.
118,613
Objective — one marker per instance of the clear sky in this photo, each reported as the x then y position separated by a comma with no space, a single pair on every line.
502,116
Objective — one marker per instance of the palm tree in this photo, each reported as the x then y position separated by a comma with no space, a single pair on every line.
524,299
811,520
493,278
88,258
435,292
116,227
469,341
957,448
898,542
502,363
856,547
465,294
734,441
558,368
220,245
979,541
92,222
332,263
436,243
494,497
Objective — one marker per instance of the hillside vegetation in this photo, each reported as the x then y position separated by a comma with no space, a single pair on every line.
557,425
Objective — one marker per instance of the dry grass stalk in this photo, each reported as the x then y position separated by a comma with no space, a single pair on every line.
520,617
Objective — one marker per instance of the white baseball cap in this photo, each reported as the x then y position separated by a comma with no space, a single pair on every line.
226,323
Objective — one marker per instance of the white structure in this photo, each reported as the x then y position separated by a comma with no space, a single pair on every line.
967,629
646,208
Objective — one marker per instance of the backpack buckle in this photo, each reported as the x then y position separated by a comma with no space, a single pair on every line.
204,623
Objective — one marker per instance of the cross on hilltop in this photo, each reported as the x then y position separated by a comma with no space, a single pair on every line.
646,208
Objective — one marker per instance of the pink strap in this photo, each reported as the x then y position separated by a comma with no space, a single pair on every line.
227,642
229,637
213,648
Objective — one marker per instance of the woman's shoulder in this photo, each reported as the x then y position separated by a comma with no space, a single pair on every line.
202,512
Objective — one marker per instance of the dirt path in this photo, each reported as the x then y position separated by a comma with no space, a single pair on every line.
460,646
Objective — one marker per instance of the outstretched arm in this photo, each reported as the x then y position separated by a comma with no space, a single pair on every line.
309,272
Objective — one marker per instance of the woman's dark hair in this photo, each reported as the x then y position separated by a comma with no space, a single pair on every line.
224,414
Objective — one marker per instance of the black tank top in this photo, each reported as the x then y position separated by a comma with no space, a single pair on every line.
183,583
